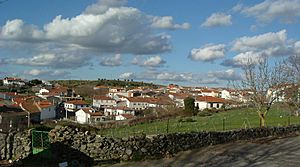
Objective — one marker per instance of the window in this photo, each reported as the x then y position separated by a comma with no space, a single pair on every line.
211,105
218,105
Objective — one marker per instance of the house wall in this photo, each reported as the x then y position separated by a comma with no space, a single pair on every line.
100,103
48,113
81,117
120,118
203,105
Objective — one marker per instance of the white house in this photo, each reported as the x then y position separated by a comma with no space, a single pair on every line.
203,102
118,110
124,117
44,108
178,98
210,92
137,103
103,101
74,105
13,81
88,115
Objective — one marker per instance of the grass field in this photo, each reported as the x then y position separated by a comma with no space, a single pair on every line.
226,120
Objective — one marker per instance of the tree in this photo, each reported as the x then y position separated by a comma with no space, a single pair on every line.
35,82
189,105
264,82
292,93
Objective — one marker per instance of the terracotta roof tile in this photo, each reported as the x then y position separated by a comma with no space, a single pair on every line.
210,99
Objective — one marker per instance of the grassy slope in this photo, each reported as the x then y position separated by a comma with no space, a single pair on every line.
235,119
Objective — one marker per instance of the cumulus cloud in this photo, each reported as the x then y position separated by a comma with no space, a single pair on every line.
127,75
166,22
208,53
151,75
269,44
154,61
46,73
102,28
217,20
103,5
284,10
259,42
243,59
112,61
228,75
212,77
53,60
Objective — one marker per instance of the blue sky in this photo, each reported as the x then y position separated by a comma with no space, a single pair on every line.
171,41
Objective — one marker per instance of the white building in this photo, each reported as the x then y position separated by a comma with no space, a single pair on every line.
124,117
13,81
178,98
203,102
103,101
74,105
88,115
45,108
137,103
113,111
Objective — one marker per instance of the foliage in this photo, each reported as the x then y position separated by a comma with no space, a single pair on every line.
189,104
204,114
35,82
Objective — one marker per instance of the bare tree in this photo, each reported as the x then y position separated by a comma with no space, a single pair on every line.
264,82
292,65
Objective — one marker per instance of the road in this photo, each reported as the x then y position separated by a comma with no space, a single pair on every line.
264,152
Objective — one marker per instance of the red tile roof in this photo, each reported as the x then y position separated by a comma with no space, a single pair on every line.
98,97
88,111
127,116
210,99
77,102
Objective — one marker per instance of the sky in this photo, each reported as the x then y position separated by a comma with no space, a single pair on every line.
191,43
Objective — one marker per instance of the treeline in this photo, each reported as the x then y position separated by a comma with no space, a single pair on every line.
104,82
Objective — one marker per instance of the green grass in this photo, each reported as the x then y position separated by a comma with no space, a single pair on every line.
229,120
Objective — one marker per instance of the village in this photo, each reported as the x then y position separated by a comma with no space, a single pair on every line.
50,102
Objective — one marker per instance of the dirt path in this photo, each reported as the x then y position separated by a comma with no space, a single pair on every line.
276,153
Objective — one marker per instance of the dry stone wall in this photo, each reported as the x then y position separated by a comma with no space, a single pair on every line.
84,143
157,146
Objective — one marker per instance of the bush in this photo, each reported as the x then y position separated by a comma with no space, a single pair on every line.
187,120
204,114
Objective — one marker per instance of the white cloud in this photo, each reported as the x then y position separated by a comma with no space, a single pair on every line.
127,75
112,61
297,47
166,22
285,10
208,53
46,73
228,75
212,77
243,59
18,30
105,27
103,5
53,60
217,19
154,61
271,44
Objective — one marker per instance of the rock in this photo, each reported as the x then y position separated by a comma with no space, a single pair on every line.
27,148
128,151
143,150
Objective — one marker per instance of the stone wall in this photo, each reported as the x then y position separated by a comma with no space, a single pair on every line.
157,146
15,145
69,142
